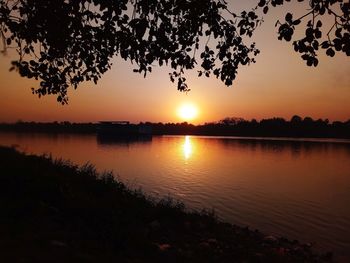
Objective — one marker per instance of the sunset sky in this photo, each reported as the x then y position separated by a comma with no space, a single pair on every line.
278,85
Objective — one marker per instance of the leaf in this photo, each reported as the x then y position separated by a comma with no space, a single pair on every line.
296,22
338,32
262,3
289,17
305,57
325,44
266,9
309,62
330,52
319,23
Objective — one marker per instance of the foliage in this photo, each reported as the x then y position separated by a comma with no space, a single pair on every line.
336,39
66,42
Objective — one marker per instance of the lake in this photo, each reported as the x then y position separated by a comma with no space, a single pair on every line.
299,189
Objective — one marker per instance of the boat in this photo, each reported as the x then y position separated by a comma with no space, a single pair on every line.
122,128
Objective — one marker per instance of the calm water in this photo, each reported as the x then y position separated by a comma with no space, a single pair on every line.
299,189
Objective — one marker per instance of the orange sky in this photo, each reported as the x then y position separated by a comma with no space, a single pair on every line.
279,84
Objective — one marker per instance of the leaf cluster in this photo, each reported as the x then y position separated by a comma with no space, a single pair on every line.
336,39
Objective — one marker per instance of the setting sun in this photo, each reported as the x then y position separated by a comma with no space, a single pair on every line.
187,112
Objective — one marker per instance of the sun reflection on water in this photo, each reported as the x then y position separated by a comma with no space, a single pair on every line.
187,147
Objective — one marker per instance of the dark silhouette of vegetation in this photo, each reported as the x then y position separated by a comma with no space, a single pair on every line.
274,127
53,211
50,127
335,39
63,43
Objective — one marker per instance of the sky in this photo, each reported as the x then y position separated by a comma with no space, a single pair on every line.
278,85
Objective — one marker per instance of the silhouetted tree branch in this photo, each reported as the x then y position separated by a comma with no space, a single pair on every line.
65,42
337,37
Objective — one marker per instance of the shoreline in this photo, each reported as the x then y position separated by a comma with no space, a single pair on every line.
341,140
275,127
75,213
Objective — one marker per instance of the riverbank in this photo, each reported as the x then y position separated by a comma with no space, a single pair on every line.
53,211
274,127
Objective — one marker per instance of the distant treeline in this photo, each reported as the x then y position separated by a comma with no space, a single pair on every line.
273,127
51,127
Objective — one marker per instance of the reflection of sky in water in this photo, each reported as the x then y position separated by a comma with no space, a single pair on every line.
187,147
298,189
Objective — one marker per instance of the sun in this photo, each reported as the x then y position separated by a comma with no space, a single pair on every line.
187,112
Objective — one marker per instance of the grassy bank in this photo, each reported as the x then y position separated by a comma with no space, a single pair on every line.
53,211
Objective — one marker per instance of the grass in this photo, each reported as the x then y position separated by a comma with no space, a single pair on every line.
54,211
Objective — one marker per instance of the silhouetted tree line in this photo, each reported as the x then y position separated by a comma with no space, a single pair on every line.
273,127
279,127
51,127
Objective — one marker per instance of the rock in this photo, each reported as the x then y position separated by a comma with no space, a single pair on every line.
164,247
307,245
271,239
